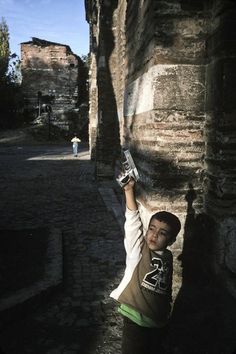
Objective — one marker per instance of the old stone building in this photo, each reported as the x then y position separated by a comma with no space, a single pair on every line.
52,73
163,84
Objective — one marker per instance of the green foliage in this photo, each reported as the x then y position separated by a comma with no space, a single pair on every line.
4,49
11,103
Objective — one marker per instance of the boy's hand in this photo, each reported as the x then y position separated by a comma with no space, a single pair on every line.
129,185
129,195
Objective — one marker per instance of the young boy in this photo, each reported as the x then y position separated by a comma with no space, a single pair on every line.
75,140
145,292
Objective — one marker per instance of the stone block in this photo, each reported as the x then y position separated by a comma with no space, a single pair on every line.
193,6
214,80
221,85
225,252
180,40
223,37
170,87
229,85
228,229
179,87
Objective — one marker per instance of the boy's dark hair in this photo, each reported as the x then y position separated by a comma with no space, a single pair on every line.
171,220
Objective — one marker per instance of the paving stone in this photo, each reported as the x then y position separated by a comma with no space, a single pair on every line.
63,194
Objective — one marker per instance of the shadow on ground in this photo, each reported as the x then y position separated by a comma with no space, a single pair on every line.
204,314
45,187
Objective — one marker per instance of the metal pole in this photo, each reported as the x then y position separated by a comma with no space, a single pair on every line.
49,125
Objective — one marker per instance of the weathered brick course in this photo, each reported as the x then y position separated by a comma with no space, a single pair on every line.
174,91
58,74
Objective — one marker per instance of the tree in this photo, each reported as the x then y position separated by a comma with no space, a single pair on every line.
11,100
4,49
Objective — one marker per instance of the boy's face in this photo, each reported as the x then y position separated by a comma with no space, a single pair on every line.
158,235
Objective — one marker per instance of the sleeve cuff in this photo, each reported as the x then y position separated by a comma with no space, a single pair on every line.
131,212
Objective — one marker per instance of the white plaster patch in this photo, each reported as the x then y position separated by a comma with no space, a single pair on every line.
139,94
168,85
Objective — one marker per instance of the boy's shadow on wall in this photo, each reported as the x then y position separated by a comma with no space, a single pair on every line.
202,319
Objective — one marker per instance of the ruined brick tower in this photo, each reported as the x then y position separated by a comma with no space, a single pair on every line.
163,84
52,69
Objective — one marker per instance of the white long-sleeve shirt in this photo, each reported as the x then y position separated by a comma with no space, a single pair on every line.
147,281
75,140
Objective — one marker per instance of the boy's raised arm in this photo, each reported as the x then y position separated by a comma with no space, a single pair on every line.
129,195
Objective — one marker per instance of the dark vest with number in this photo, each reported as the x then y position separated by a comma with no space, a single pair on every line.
149,290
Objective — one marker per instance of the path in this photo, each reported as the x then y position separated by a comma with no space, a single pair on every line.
45,186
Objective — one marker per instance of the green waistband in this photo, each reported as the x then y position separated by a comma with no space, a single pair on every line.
136,316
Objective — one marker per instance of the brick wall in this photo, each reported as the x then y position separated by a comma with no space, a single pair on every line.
220,136
104,88
172,86
54,70
164,98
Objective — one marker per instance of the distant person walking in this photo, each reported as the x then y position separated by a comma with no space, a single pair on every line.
75,140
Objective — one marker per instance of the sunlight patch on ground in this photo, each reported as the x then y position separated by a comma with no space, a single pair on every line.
62,156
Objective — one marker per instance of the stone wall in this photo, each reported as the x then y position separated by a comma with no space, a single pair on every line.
164,100
157,79
104,119
220,136
55,71
165,71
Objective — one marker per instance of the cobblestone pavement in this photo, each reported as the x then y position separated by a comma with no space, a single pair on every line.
45,186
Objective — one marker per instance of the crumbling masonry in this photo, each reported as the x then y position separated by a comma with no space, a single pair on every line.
163,84
51,72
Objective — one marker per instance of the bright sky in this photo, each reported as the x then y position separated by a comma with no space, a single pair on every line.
60,21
